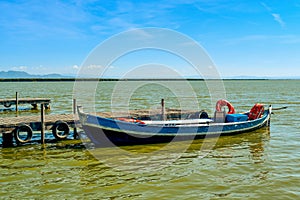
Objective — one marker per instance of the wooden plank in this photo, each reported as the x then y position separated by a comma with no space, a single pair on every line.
24,101
11,122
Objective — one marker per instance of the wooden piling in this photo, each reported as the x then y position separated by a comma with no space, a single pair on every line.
74,106
75,134
163,115
17,102
42,124
7,139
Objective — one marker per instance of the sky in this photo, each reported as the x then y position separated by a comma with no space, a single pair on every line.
242,38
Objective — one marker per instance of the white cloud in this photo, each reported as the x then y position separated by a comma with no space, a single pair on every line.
142,33
40,67
266,7
76,67
92,70
283,39
92,67
61,18
20,68
276,16
278,19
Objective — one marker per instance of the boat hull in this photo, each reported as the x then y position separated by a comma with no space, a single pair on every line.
105,132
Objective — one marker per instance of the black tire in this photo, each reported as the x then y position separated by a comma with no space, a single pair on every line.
203,115
22,128
60,130
7,105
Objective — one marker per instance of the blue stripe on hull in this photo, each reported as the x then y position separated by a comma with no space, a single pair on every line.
108,132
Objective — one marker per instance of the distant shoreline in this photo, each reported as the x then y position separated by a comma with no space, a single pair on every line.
116,79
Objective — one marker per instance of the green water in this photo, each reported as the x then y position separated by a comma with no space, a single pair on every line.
260,165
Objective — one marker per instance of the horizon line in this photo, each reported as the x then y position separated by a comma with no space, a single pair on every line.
132,79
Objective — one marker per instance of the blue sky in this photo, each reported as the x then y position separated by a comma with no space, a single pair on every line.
243,38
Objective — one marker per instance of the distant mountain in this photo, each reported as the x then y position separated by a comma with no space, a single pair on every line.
22,74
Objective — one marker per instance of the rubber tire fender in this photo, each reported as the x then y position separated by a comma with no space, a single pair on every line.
7,105
60,126
22,128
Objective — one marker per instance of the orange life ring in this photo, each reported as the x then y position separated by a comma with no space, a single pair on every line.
223,102
256,111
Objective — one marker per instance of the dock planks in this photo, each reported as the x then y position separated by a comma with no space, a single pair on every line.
34,121
32,101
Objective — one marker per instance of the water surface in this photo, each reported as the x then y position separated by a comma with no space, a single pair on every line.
260,165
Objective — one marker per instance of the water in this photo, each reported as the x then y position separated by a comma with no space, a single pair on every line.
260,165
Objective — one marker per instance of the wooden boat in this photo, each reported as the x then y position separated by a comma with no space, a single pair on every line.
104,131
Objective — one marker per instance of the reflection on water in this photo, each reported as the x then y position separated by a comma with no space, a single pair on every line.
145,166
67,168
154,157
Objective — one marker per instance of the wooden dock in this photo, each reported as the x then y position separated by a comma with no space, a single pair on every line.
20,129
7,123
11,127
32,101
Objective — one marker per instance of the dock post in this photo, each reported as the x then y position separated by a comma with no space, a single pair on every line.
17,102
7,139
74,106
163,115
42,124
75,133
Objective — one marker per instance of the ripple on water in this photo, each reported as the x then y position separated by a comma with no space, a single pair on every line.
260,165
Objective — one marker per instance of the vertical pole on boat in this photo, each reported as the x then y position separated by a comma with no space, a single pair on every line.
270,112
163,114
42,124
17,102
